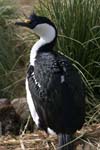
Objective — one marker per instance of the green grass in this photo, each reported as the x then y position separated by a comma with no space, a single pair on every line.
78,24
12,52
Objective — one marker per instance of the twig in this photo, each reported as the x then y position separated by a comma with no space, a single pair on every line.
53,145
25,127
22,144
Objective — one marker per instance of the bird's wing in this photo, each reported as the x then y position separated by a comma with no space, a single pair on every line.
56,88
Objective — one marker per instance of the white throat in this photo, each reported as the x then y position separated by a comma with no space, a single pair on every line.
47,34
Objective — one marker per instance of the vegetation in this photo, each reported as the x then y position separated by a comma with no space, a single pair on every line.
12,52
78,23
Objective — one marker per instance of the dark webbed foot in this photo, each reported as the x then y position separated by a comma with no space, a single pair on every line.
64,139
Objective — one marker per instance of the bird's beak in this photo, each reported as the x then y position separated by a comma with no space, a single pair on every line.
24,23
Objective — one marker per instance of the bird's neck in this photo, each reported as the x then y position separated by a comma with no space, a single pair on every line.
45,43
35,50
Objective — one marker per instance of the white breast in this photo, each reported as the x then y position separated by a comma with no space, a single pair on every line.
31,105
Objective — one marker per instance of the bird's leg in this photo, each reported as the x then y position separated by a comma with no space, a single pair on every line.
63,140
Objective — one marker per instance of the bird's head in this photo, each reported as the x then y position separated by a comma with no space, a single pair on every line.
41,26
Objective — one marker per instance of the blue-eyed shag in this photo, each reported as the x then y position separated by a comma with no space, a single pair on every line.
55,91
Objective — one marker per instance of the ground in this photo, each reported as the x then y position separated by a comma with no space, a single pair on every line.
87,139
36,141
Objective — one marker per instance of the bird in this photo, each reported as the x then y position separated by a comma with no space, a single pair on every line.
54,87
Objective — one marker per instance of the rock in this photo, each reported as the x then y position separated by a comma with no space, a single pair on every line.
9,120
4,101
21,108
14,116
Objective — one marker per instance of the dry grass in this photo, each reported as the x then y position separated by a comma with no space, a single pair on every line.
87,139
36,141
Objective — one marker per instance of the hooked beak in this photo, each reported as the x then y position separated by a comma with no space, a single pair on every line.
25,23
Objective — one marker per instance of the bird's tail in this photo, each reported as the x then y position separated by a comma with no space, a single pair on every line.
64,139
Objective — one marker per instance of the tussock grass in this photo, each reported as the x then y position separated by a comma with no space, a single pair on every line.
12,52
78,24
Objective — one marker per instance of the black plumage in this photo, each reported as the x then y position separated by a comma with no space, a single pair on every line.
59,105
55,85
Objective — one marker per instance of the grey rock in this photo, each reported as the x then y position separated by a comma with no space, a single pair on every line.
21,107
9,120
